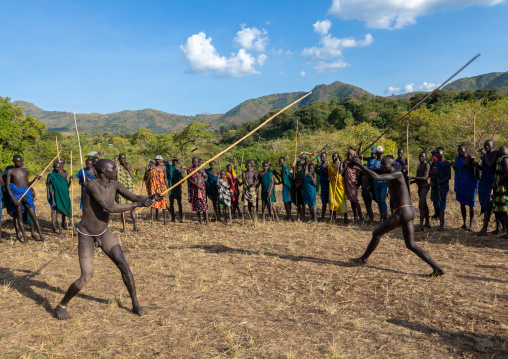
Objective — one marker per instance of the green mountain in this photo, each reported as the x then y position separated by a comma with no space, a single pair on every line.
252,109
118,122
498,80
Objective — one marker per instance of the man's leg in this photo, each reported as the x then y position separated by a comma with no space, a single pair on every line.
383,209
113,250
409,238
464,214
392,222
323,211
19,215
421,207
287,206
180,210
486,220
53,220
85,254
172,208
134,220
152,211
471,219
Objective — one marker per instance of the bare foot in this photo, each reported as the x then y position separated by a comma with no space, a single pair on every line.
42,239
139,310
419,229
436,273
441,229
61,313
357,262
495,233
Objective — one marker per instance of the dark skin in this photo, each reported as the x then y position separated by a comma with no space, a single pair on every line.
431,161
98,203
502,217
468,162
273,210
2,183
162,168
400,154
323,161
402,217
336,159
227,211
312,209
489,159
298,183
65,174
234,204
287,206
121,160
355,206
196,162
19,176
215,172
176,164
421,180
440,155
249,179
54,220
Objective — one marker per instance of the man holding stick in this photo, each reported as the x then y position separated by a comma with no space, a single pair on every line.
402,216
17,184
57,188
98,203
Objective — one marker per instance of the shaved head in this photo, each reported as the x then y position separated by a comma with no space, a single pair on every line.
103,164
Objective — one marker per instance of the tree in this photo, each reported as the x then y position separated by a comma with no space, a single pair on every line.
194,133
143,138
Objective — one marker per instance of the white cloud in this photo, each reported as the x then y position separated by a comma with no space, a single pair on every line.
425,87
261,59
202,56
251,38
395,14
331,47
392,90
322,27
330,66
302,74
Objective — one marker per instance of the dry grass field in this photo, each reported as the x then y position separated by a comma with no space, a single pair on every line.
274,290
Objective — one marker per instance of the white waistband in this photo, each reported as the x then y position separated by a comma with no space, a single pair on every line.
92,235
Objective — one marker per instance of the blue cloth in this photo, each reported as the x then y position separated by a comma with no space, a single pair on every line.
465,183
485,187
287,184
17,192
372,163
440,200
380,190
325,183
212,190
309,191
81,180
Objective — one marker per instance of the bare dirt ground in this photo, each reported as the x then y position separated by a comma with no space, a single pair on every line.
274,290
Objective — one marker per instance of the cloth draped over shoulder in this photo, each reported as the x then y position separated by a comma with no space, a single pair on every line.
124,177
324,180
486,182
500,196
267,189
197,196
174,176
7,201
212,190
465,183
337,201
224,193
440,196
58,194
287,184
156,184
309,191
81,179
351,178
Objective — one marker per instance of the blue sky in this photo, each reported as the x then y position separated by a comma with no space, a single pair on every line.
193,57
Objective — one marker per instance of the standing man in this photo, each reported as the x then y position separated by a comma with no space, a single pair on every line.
421,180
57,188
324,181
380,187
268,198
351,181
84,176
465,185
337,201
400,158
17,184
197,190
98,203
125,176
500,188
443,174
174,174
488,168
212,189
156,182
286,178
249,182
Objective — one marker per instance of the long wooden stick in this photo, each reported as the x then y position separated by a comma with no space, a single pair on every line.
296,146
28,189
407,147
79,143
72,202
56,141
421,101
230,147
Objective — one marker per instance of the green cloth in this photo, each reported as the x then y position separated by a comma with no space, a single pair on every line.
174,175
58,193
500,196
124,177
266,186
